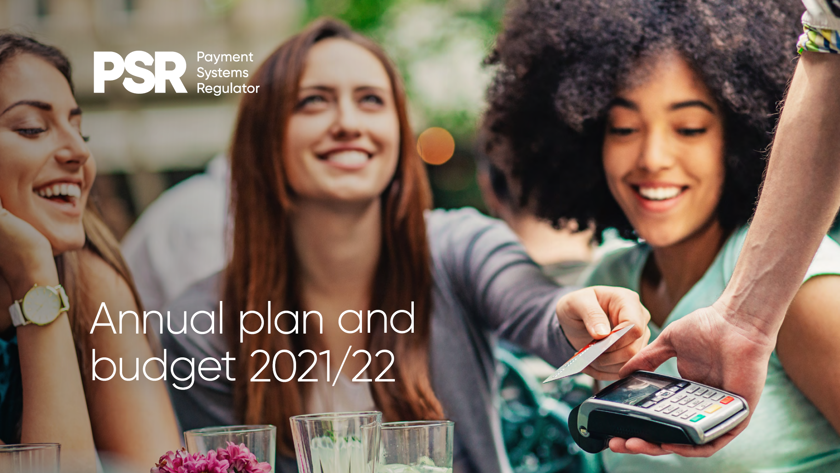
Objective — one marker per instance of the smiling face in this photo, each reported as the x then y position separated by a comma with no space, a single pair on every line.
663,153
343,139
45,166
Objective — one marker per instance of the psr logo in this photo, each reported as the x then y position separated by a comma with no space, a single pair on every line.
150,80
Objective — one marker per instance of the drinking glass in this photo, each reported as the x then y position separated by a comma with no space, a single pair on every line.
416,447
261,440
30,458
337,442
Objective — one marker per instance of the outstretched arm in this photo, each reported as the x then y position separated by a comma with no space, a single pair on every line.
508,291
800,199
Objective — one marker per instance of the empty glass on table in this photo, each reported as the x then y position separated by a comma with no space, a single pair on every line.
30,458
416,447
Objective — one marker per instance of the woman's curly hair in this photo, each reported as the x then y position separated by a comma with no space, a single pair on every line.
560,62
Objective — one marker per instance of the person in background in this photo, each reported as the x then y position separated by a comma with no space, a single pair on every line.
659,126
563,254
179,239
330,208
58,263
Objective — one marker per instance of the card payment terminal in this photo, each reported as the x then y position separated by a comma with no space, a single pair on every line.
656,408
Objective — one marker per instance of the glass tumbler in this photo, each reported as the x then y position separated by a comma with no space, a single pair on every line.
30,458
337,442
261,440
416,447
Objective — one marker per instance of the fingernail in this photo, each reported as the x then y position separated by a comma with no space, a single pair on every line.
601,329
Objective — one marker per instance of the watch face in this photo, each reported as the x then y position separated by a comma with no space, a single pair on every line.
41,305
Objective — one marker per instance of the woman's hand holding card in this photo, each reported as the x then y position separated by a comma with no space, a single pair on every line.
592,313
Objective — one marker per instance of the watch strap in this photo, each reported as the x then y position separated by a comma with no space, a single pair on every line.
65,302
17,315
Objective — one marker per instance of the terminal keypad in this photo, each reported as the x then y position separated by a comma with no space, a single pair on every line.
687,401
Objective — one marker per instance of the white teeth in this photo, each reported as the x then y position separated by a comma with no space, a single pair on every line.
659,193
55,190
348,158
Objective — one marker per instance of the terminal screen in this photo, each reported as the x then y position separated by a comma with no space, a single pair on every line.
634,390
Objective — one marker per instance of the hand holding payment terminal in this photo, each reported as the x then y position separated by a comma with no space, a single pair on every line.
656,408
649,406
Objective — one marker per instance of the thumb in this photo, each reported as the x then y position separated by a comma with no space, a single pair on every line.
593,316
650,357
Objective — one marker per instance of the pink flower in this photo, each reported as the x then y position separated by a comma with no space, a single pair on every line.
242,460
233,459
171,463
211,463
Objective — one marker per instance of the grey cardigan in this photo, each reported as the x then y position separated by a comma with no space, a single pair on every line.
485,286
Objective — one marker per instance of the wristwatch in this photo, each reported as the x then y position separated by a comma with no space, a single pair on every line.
40,306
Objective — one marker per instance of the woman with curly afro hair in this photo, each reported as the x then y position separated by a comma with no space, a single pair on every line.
653,118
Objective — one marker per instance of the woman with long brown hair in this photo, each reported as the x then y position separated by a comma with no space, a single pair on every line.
58,263
330,209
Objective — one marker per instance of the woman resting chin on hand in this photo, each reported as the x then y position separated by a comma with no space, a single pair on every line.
52,245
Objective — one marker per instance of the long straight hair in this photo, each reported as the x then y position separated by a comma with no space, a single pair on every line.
98,238
100,241
264,265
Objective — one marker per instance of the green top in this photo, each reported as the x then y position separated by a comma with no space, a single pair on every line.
787,433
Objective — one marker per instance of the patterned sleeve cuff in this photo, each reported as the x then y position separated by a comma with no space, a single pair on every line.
818,40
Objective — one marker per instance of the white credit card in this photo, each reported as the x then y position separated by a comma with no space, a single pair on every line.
586,355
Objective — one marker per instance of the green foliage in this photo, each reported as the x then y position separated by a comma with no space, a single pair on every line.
364,16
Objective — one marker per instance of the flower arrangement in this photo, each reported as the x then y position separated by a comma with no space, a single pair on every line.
233,459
